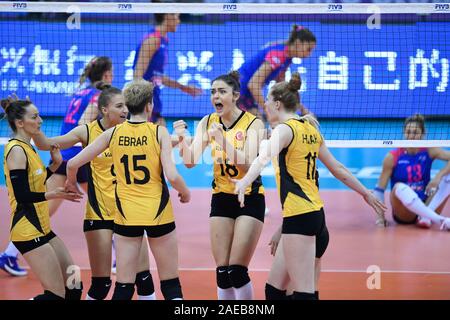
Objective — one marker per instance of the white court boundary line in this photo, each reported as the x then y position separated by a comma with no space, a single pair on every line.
333,270
325,270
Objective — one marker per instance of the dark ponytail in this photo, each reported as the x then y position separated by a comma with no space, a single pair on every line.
301,33
95,69
108,91
287,92
232,79
14,110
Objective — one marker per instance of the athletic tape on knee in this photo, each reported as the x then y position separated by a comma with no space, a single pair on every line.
238,275
171,289
412,201
222,278
405,194
99,287
442,193
144,283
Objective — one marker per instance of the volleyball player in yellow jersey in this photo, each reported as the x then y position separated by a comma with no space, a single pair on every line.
30,227
101,207
141,151
234,136
297,143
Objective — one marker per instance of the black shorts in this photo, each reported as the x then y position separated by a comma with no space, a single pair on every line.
227,205
309,224
138,231
91,225
82,174
25,246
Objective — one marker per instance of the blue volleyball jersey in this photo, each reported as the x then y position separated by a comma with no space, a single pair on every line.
412,169
273,53
80,101
155,69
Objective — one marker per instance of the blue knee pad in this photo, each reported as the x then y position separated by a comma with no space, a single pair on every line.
144,283
99,287
171,289
222,277
238,275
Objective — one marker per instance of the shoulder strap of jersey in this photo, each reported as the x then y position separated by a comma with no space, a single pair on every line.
291,126
15,143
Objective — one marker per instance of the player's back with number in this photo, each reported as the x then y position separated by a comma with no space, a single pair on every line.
297,169
141,193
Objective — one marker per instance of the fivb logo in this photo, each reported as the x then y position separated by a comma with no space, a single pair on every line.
335,7
19,5
124,6
442,7
229,7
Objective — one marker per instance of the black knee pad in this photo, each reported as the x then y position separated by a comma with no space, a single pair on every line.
123,291
238,275
273,293
75,293
99,287
322,242
171,289
48,295
144,283
222,278
303,296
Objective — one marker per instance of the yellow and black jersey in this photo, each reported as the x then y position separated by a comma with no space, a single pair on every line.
28,220
224,169
101,204
296,170
142,196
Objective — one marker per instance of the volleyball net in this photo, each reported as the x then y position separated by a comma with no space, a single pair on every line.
373,65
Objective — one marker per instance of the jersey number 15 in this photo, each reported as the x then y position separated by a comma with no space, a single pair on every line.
136,168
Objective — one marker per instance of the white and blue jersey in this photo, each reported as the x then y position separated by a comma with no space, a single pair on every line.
276,55
155,69
412,169
80,101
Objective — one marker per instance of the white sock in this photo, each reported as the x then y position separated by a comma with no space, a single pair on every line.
441,194
245,292
177,299
149,297
11,250
225,294
89,298
411,200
